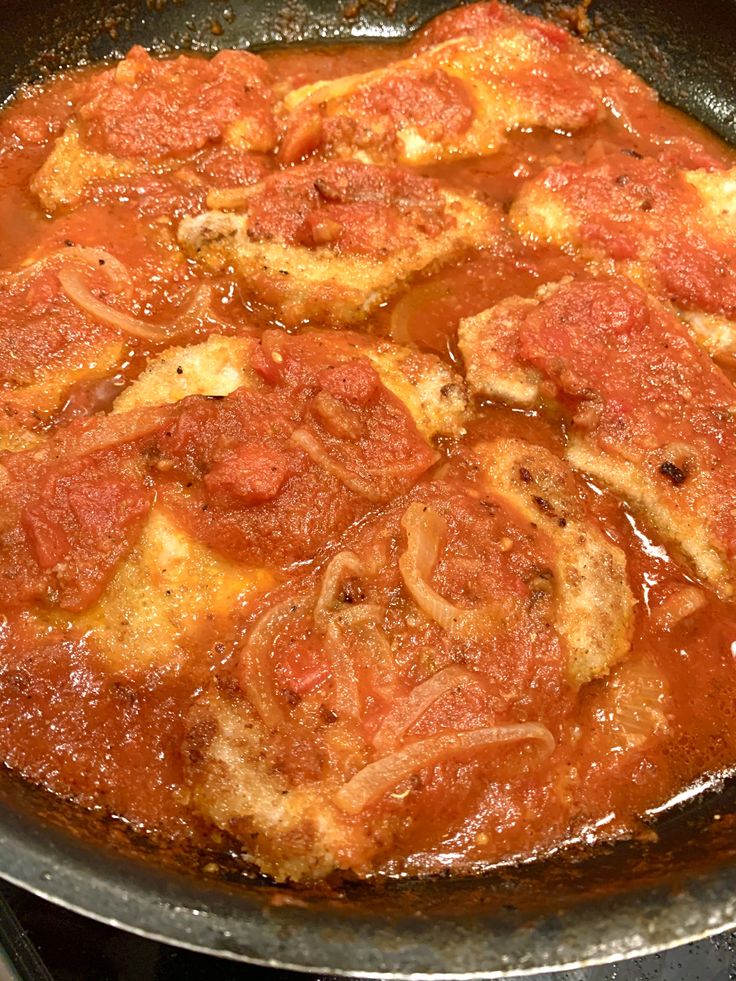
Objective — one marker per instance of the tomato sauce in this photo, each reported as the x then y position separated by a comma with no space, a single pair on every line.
112,739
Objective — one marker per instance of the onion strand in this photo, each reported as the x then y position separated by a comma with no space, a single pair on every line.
317,453
94,258
80,294
255,667
424,529
229,198
378,778
406,713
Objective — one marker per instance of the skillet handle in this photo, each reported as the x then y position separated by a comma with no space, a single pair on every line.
19,959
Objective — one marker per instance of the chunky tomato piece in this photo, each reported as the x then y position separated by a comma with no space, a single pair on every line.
77,524
145,107
249,474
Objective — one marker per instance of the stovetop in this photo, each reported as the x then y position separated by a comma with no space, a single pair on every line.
45,943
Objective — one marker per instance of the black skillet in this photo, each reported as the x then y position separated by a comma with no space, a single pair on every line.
573,910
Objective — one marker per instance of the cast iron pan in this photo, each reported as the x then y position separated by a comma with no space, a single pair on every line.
626,900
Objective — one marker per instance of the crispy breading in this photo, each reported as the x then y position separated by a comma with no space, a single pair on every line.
433,394
218,366
593,604
663,441
487,342
170,582
459,98
670,229
351,236
23,408
290,826
70,167
165,590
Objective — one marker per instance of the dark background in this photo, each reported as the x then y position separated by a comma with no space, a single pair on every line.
47,942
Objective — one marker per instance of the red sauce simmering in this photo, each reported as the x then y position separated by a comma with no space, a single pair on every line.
110,735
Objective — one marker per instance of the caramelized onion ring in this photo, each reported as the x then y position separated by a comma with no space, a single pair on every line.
329,621
406,713
80,294
103,433
344,564
378,778
344,681
424,529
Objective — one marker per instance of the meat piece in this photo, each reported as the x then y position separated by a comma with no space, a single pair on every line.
482,19
673,230
473,78
70,167
219,460
341,447
146,107
216,367
171,583
47,346
434,395
168,588
422,644
291,829
488,343
148,115
651,415
593,604
329,242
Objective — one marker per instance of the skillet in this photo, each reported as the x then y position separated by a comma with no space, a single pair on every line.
573,909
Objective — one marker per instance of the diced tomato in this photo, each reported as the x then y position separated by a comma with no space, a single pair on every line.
250,474
356,382
77,527
48,541
300,668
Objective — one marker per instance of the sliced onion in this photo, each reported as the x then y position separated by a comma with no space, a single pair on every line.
100,259
255,666
197,310
116,271
640,698
361,622
343,565
377,653
104,433
406,713
81,295
344,680
425,529
317,453
378,778
360,615
685,602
